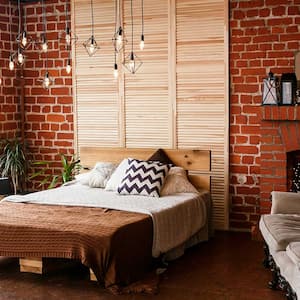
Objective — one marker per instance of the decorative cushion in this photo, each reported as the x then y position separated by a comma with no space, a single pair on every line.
117,176
293,252
143,178
101,174
177,182
83,178
279,230
161,156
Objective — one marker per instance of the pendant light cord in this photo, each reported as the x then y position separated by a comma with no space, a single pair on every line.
131,9
116,14
44,18
10,23
66,15
92,17
19,10
142,17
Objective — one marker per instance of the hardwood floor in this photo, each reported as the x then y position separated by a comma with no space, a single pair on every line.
228,267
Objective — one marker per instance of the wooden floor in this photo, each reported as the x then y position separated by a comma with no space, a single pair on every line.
227,268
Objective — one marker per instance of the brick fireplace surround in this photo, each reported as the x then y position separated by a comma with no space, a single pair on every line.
280,135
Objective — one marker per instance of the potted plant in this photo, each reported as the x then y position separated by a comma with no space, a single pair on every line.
69,170
13,163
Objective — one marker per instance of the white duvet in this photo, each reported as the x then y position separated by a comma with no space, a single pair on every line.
175,218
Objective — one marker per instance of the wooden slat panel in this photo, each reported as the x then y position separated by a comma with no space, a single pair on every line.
148,113
201,90
96,89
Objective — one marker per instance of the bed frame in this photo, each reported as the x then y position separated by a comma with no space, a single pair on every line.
196,162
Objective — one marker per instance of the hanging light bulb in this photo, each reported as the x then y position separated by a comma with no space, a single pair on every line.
11,63
47,81
44,43
24,39
142,42
90,44
68,36
132,63
21,57
68,67
118,38
116,72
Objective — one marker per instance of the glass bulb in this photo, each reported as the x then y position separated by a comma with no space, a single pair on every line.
116,72
68,36
45,46
92,47
119,41
142,42
131,63
0,81
20,57
24,39
11,63
68,67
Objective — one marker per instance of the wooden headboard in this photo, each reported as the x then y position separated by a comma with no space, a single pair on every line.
196,162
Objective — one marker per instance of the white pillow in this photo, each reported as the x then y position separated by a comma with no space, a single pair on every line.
83,178
100,174
117,176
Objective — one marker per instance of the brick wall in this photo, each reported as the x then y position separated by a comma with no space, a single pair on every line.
49,113
264,34
9,100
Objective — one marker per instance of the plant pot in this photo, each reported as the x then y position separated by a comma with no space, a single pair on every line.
5,187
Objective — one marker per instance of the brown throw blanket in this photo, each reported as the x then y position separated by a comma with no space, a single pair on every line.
116,245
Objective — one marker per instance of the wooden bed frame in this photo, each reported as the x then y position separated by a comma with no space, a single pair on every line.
196,162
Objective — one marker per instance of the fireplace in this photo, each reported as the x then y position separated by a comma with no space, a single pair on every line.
280,145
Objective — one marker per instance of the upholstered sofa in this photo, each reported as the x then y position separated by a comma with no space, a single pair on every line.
281,232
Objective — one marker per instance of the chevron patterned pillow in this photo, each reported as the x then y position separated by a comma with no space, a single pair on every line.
143,178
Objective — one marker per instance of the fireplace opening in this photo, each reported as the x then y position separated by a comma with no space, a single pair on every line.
293,171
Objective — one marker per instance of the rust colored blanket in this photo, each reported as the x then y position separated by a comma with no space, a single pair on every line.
116,245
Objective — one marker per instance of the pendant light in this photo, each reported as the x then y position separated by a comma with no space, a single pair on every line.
11,64
47,80
116,71
118,39
20,55
132,62
142,42
90,44
23,39
68,37
43,42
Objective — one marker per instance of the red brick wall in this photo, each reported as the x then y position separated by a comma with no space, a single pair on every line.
264,34
49,113
9,100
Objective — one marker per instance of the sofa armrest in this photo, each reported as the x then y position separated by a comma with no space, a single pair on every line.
285,203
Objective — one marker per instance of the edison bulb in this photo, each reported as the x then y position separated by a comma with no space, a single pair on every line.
11,63
45,46
116,72
142,42
20,57
68,36
0,81
68,68
24,39
46,82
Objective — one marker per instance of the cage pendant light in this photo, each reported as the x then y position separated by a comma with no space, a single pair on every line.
47,80
90,44
118,38
132,62
11,64
23,39
42,42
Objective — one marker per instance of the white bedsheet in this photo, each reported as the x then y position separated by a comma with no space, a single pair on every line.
175,218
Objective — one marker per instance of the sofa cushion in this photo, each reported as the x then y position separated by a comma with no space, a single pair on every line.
279,230
293,251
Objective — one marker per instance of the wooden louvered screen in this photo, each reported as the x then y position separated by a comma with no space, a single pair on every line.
202,102
178,99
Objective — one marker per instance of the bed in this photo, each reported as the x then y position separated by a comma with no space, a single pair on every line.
119,237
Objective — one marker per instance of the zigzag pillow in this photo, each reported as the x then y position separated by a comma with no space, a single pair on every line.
143,178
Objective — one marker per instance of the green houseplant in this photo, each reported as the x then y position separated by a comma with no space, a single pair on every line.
13,163
69,169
